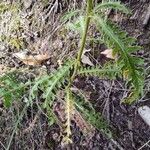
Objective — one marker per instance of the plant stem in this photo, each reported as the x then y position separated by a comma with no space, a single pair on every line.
83,39
76,67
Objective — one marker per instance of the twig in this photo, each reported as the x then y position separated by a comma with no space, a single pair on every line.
117,144
144,145
2,145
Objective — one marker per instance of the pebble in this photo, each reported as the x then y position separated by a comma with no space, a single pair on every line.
144,112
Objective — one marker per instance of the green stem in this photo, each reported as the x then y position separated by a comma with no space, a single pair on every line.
83,40
76,65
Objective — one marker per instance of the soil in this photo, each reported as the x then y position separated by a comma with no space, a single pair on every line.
131,132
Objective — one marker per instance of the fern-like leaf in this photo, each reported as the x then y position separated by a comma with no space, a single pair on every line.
67,16
118,41
90,115
107,71
49,84
77,25
116,5
11,88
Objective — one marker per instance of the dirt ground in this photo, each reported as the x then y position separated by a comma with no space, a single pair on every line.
131,132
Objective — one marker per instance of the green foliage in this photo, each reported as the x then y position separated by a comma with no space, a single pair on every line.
11,89
89,113
11,24
3,7
70,15
16,42
75,21
107,71
78,25
49,84
116,5
123,47
121,44
46,87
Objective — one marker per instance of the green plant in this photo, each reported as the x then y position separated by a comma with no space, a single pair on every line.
125,64
11,88
113,37
11,24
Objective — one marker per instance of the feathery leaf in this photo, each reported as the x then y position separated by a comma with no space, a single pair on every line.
49,84
114,38
112,5
107,71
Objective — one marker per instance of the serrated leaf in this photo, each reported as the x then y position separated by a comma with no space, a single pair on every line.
112,5
69,15
7,100
132,49
115,41
137,60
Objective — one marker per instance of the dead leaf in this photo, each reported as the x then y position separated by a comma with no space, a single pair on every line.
109,54
30,59
85,59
